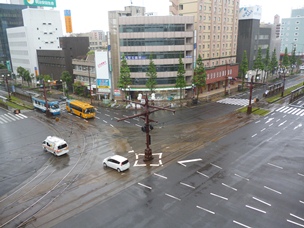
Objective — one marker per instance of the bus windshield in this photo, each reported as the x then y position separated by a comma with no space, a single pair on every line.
89,110
55,106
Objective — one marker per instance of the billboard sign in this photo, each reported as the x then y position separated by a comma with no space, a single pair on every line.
102,70
250,12
46,3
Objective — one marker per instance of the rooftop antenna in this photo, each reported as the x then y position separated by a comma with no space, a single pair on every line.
131,2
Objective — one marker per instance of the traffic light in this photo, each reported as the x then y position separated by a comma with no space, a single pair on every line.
144,129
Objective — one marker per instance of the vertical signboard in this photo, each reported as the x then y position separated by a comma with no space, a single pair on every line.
102,72
68,21
46,3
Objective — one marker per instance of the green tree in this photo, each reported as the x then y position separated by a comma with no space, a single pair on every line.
267,66
2,66
285,61
125,76
152,75
20,72
258,62
293,59
27,77
285,64
67,79
244,67
274,61
200,75
180,79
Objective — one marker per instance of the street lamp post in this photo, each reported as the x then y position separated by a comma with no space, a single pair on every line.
8,89
47,111
129,97
226,80
249,109
282,94
90,83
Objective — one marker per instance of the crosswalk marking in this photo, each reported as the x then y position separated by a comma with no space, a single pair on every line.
235,101
8,117
291,110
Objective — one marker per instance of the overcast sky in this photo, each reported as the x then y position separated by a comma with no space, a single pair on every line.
93,14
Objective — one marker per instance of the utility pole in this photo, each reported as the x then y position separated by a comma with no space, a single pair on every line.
47,111
249,109
147,127
226,81
90,83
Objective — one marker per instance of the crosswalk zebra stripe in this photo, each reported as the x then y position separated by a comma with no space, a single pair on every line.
9,117
302,110
296,111
283,109
278,110
4,120
235,101
14,116
1,122
21,115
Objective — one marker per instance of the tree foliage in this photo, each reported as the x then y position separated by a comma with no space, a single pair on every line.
244,67
293,59
67,78
20,72
258,62
180,79
2,66
125,76
285,61
200,75
274,61
152,75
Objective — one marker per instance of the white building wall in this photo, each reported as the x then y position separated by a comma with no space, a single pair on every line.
41,30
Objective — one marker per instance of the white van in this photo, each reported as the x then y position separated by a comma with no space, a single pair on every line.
55,145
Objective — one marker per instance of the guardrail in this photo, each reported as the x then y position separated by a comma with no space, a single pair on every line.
297,93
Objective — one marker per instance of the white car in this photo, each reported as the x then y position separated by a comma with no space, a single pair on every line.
117,162
55,145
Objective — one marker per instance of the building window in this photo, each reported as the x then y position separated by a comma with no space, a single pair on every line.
200,7
181,7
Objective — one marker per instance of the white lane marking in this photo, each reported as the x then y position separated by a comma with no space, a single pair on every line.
270,119
131,151
107,115
241,177
97,117
104,121
111,125
270,124
282,123
297,217
187,161
138,125
301,201
254,135
218,196
263,129
268,204
216,166
126,121
211,212
256,209
241,224
145,186
272,190
279,167
299,125
160,175
202,174
298,224
258,121
187,185
116,118
301,174
278,120
173,197
229,187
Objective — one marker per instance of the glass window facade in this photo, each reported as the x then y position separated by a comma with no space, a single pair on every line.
159,81
155,55
10,17
152,28
159,68
152,42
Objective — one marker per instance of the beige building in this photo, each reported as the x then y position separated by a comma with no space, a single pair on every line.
165,37
216,25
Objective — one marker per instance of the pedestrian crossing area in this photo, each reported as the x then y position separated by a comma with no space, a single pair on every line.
9,117
235,101
291,110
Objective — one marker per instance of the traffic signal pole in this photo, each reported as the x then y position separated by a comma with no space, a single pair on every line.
147,127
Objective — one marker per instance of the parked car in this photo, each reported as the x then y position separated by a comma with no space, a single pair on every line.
117,162
63,98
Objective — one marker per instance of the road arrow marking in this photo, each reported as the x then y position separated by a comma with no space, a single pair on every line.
187,161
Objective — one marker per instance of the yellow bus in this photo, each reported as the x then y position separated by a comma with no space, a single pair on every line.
79,108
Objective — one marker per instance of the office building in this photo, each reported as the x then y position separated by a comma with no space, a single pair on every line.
216,25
